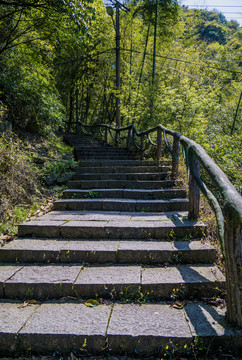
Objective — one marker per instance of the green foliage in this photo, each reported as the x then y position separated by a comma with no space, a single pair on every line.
58,167
29,93
20,187
167,13
60,68
91,194
18,177
31,36
212,31
129,294
61,147
18,215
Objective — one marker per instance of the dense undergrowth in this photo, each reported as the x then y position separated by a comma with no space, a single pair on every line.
33,172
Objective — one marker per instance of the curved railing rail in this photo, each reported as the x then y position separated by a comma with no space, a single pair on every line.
227,206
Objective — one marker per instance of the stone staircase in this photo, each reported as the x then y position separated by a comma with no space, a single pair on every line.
119,235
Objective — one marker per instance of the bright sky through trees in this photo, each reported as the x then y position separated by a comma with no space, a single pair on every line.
231,9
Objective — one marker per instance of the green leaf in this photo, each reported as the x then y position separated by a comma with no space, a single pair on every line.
91,303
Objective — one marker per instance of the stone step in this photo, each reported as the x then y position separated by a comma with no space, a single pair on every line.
99,146
104,157
123,184
39,250
101,149
144,250
106,163
103,152
150,329
53,281
142,194
122,176
96,225
123,169
122,205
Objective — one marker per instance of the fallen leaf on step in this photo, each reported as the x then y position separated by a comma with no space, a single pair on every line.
32,301
215,302
27,302
91,303
7,238
179,304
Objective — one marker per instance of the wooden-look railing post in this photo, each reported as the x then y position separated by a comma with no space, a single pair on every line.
116,137
194,191
233,260
129,139
159,142
141,147
106,135
175,158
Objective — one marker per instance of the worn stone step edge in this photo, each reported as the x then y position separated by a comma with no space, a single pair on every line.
117,216
121,176
123,169
93,163
115,281
105,151
150,329
104,154
113,229
122,204
105,157
109,251
142,194
128,184
100,146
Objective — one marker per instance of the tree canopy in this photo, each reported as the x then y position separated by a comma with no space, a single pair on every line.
179,67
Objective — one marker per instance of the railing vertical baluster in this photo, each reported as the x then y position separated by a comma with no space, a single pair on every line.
194,191
106,135
159,142
142,147
175,158
116,137
129,139
133,135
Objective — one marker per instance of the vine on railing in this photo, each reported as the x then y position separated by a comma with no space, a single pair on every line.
227,208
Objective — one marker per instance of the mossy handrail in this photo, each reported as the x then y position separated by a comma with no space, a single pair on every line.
227,207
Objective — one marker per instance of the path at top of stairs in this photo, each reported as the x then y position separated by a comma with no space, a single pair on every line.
119,235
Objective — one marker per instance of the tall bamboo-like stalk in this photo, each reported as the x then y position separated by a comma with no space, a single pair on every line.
130,68
142,63
143,59
154,63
